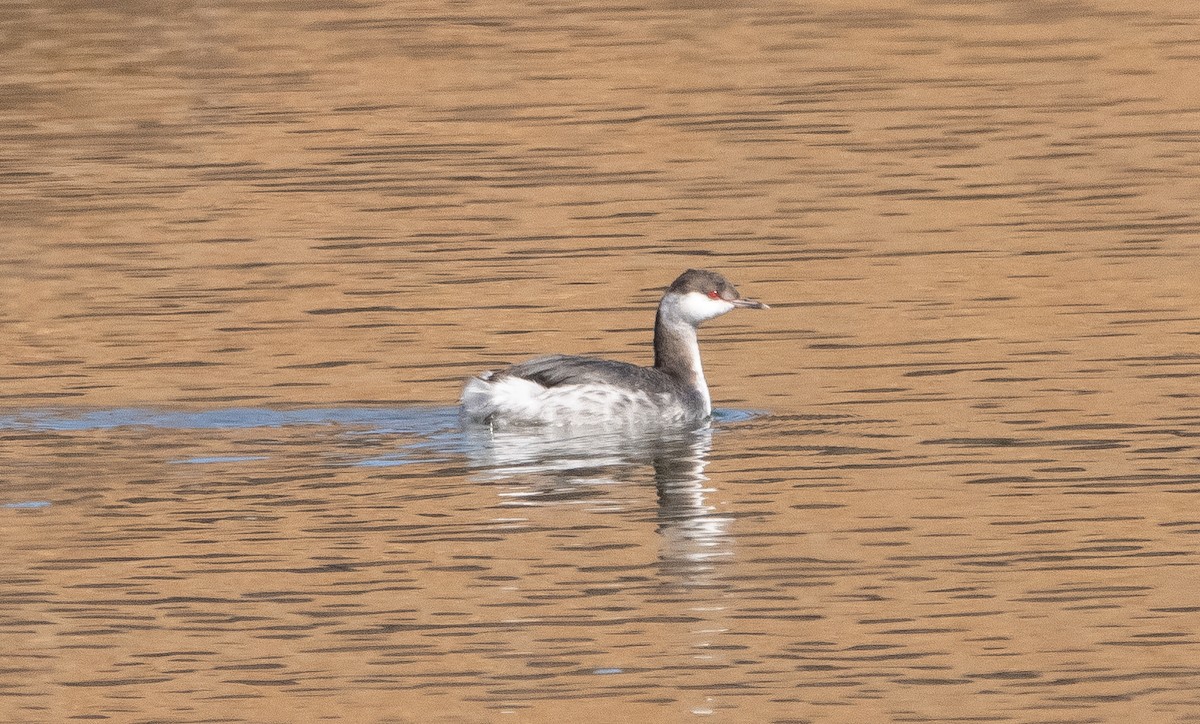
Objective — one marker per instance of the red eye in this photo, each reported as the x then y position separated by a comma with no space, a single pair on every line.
714,295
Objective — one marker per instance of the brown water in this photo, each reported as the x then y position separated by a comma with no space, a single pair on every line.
250,250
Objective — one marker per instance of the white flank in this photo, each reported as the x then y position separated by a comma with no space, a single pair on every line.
518,401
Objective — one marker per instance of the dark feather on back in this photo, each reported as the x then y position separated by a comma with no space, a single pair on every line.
562,369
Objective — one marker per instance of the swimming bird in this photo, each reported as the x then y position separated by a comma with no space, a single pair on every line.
570,390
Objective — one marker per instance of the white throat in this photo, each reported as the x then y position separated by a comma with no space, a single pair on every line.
694,307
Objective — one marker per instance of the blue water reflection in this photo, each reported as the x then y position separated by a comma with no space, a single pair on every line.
413,420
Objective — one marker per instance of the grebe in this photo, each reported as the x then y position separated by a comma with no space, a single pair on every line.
567,389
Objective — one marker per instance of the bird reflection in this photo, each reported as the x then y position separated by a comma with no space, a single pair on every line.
694,536
557,466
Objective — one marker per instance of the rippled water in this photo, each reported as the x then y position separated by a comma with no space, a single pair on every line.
249,252
356,562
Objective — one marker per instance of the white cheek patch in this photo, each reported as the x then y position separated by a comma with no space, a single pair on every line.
697,307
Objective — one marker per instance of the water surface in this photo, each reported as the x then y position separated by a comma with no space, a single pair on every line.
250,252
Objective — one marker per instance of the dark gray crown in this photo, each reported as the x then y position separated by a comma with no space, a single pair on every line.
704,281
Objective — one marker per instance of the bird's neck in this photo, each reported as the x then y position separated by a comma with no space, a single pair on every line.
677,353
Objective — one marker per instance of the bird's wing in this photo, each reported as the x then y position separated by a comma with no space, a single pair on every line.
562,369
